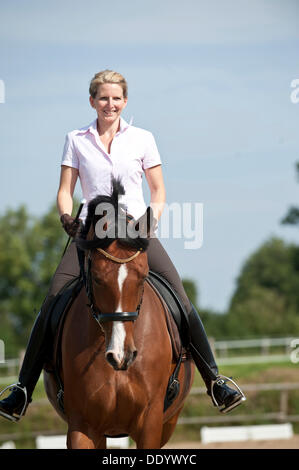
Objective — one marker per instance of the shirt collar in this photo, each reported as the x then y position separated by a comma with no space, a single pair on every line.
123,125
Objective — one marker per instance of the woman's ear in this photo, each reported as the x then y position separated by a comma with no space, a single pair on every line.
91,101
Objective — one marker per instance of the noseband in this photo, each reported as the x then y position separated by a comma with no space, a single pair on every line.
99,316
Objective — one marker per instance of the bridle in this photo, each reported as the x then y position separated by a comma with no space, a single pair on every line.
99,316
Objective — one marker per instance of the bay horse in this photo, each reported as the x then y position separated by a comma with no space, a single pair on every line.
115,370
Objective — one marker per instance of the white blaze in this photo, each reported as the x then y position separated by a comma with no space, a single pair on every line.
118,335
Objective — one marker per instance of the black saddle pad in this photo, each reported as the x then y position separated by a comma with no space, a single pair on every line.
62,300
173,303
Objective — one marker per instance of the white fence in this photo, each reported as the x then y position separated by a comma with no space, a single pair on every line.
281,415
246,433
226,353
230,352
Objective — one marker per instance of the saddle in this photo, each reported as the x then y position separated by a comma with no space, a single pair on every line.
176,320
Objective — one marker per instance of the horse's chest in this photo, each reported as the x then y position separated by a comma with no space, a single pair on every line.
124,397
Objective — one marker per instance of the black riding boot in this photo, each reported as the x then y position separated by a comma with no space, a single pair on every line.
224,397
35,355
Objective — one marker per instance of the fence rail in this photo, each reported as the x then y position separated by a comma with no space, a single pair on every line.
281,415
267,347
263,343
10,369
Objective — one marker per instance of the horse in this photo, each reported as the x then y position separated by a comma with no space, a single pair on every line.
116,349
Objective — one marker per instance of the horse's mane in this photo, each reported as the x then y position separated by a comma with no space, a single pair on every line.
113,231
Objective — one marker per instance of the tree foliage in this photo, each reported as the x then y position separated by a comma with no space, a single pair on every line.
266,299
30,249
292,216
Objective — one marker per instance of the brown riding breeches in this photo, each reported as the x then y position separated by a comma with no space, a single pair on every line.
158,261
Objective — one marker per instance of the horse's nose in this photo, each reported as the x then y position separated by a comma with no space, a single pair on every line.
113,360
119,363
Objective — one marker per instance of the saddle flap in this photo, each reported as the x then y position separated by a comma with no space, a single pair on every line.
178,316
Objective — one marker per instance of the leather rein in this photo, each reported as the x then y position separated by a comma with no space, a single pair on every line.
99,316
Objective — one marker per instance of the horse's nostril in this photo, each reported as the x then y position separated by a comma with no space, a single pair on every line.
112,360
117,364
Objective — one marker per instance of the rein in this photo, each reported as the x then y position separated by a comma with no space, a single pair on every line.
119,260
99,316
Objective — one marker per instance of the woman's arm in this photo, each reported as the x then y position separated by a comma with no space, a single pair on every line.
154,177
68,179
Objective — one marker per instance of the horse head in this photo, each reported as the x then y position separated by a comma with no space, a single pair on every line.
116,267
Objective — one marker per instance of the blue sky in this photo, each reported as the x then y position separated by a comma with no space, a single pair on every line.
210,79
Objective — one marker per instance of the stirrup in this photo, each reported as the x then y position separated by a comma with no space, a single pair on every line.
15,417
220,380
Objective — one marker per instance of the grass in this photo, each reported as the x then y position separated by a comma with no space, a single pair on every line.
41,417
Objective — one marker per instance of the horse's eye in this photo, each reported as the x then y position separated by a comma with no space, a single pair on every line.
97,280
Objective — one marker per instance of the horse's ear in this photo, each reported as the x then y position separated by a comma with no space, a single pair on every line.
146,224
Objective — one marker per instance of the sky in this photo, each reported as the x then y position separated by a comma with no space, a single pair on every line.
210,79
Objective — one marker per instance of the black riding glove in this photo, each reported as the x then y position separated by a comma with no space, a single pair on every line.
69,224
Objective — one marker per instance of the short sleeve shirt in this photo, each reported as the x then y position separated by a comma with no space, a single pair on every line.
132,151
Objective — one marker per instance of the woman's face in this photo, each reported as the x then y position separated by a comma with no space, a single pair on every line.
109,102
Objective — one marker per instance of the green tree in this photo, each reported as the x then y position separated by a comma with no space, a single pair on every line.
266,299
292,216
191,290
30,250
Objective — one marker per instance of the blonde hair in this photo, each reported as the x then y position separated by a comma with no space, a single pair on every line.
107,76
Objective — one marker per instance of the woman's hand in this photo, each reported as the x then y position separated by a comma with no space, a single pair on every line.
70,224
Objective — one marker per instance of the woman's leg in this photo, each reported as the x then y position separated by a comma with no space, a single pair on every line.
202,354
40,338
160,262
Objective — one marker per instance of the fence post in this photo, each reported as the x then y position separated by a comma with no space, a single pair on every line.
284,396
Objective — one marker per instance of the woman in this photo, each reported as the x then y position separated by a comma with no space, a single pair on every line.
111,147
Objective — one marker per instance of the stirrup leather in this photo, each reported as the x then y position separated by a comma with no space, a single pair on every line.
220,380
15,417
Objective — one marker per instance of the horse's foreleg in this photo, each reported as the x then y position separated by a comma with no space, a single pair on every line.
169,427
78,440
150,433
